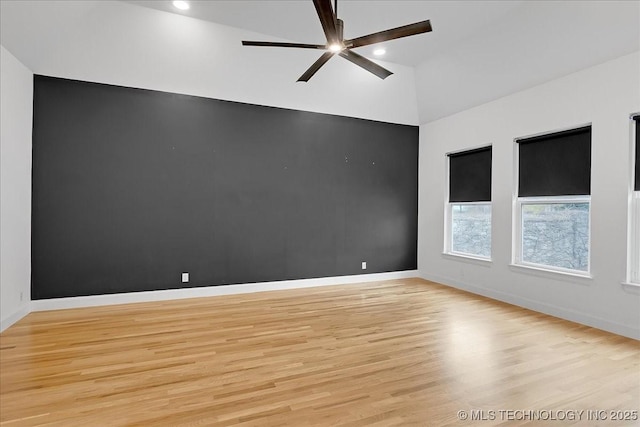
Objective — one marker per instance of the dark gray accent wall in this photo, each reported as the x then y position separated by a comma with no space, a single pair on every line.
132,187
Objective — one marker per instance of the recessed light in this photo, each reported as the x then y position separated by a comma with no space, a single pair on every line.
182,5
335,47
379,51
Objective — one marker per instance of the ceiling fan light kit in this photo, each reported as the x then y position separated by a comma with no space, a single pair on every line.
336,44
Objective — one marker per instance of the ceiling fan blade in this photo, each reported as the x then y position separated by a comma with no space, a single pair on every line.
363,62
327,19
394,33
279,44
315,67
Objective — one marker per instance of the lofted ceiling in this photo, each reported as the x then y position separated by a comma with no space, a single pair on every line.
612,26
479,50
296,20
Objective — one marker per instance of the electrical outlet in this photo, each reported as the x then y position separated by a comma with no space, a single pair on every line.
21,296
364,265
185,277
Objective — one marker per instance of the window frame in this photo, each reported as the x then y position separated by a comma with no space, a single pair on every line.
543,200
517,201
448,213
633,272
448,249
633,226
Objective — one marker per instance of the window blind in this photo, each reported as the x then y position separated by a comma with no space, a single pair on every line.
556,164
636,186
470,176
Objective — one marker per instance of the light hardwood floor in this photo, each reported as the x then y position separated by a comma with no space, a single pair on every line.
406,352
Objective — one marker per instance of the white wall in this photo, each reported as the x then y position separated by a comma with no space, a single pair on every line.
128,45
16,111
604,95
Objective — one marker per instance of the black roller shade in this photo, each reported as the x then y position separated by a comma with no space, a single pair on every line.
637,170
470,176
557,164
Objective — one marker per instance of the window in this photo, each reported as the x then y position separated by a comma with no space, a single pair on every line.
553,203
556,233
634,225
469,208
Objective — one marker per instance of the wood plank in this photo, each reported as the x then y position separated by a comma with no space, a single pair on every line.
382,353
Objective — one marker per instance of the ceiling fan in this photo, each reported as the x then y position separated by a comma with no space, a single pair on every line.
333,30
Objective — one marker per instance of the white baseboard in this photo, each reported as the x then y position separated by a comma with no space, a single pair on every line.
552,310
149,296
208,291
5,322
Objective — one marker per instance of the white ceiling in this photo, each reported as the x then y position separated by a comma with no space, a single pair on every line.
614,24
538,42
478,51
296,20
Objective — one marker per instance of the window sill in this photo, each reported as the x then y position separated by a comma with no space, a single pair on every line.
485,262
631,286
552,274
